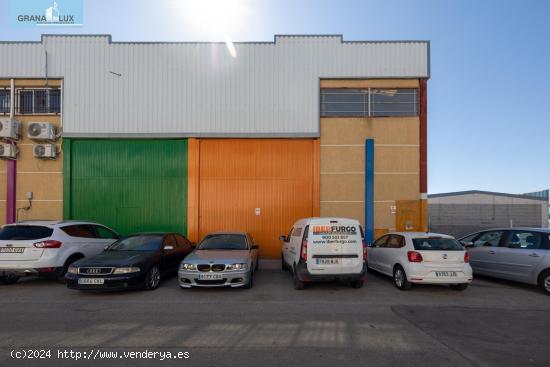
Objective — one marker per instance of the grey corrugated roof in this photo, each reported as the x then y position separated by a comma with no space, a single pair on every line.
470,192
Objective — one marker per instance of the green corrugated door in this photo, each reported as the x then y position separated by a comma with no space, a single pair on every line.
129,185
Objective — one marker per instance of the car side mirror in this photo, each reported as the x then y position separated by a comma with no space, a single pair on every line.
105,248
255,247
282,238
168,248
468,244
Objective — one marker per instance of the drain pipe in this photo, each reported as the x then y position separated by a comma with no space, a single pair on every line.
11,167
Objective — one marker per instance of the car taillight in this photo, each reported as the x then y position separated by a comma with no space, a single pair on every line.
414,257
48,244
303,251
364,251
466,257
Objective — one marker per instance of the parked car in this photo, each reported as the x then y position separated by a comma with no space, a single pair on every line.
518,254
221,259
323,249
136,261
47,248
419,257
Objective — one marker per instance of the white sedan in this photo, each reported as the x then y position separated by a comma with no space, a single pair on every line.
420,257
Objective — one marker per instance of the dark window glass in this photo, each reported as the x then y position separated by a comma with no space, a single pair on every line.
381,242
223,242
524,240
25,101
39,101
488,239
169,240
437,244
183,243
105,233
148,243
393,102
369,102
395,242
22,232
80,230
4,101
54,101
297,232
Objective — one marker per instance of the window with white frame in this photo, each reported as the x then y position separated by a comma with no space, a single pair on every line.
371,102
38,101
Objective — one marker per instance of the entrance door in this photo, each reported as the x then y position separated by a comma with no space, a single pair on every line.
261,186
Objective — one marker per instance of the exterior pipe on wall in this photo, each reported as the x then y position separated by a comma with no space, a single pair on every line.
423,100
11,167
369,190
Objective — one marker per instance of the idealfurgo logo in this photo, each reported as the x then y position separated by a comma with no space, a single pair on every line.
46,12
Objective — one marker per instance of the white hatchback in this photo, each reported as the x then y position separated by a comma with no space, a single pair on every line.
420,257
47,248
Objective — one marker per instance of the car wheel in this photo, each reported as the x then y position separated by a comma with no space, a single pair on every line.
8,279
298,284
400,279
152,280
544,282
459,287
357,283
250,282
283,264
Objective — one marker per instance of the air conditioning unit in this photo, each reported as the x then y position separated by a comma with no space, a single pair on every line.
45,151
41,131
8,151
9,128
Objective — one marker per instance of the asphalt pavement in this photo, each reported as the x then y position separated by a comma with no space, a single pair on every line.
492,323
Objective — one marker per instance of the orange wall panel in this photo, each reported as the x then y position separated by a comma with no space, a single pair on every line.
237,176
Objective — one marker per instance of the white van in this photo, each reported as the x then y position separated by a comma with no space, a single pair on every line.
320,249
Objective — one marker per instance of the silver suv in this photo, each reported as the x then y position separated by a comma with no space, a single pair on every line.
518,254
47,248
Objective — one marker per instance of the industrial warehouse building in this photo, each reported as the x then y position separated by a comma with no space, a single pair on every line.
186,137
464,212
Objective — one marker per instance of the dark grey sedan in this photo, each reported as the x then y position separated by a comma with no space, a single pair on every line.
221,259
518,254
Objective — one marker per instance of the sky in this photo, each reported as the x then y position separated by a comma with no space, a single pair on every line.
489,91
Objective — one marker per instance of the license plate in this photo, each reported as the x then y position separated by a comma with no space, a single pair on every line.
328,261
12,250
210,276
94,281
445,273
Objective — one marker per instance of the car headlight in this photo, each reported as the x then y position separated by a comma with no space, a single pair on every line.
239,266
72,270
186,266
126,270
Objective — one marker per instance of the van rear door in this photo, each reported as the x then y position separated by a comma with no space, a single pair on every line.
335,247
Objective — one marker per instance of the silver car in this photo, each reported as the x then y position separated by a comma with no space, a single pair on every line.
221,259
518,254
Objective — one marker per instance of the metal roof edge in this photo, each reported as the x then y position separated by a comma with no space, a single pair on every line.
110,39
470,192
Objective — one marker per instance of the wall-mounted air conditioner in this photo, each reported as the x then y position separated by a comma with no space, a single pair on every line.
45,151
9,128
41,131
8,151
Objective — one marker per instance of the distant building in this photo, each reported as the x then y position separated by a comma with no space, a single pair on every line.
460,213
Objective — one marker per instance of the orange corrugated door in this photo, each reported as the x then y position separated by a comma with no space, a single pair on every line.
261,186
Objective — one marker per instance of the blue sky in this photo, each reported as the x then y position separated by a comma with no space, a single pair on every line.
489,92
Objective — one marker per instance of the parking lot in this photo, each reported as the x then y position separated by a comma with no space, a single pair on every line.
491,323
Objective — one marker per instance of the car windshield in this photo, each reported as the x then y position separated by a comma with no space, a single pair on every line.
223,242
137,243
442,244
14,233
